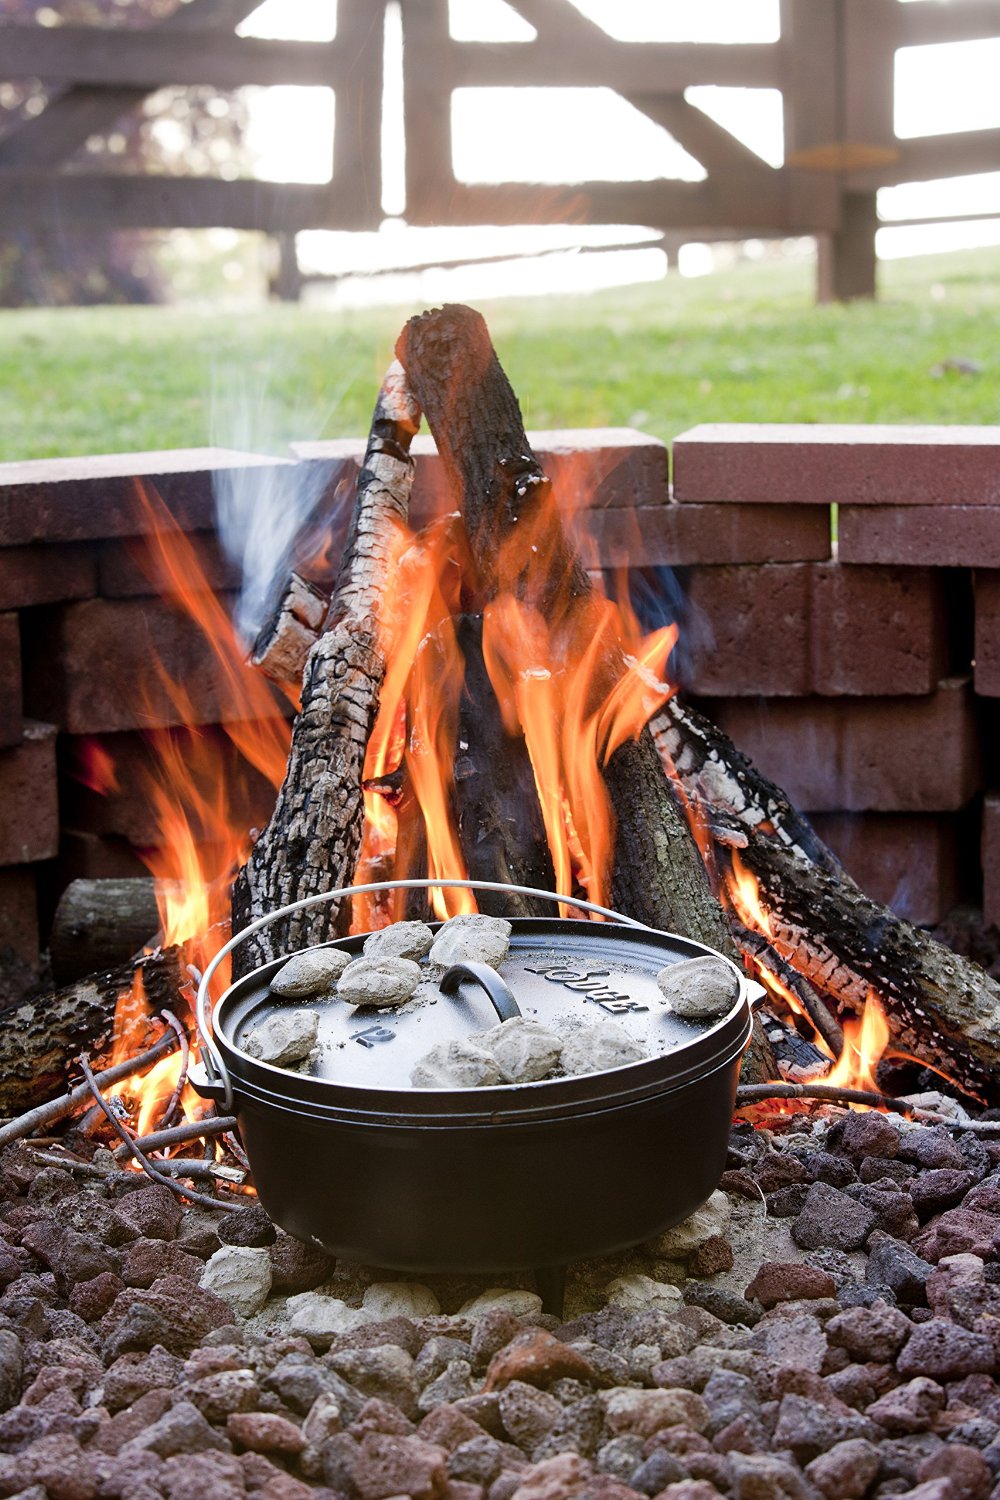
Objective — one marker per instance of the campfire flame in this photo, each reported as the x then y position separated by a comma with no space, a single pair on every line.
865,1043
197,787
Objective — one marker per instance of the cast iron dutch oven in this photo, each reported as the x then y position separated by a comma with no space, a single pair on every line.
356,1160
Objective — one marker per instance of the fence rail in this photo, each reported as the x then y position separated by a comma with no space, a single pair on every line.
833,64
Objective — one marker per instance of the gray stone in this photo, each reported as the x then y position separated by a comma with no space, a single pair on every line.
524,1050
285,1037
314,972
320,1319
378,982
472,939
639,1293
241,1276
909,1408
519,1304
946,1351
700,987
596,1048
454,1383
690,1234
808,1428
458,1064
893,1264
400,1299
400,940
385,1371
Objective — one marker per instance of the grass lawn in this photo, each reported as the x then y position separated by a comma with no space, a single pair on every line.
742,346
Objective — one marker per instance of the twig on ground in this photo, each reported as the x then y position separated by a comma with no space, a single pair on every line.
755,1093
144,1162
58,1109
191,1130
175,1098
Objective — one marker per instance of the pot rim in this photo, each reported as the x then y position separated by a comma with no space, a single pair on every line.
715,1046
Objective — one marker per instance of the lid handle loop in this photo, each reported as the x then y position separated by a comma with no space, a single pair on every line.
497,988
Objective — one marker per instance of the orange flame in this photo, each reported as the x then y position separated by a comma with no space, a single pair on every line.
865,1042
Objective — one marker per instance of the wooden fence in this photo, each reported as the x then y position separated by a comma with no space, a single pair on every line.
833,64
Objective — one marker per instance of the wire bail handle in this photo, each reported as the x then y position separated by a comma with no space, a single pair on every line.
215,1063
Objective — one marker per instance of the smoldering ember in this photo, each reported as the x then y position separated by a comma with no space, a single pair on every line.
697,1197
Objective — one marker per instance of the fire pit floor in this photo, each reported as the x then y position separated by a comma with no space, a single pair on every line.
829,1324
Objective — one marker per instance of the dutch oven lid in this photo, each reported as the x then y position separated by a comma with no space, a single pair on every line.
563,973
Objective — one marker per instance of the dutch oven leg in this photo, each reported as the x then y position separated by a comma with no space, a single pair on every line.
550,1283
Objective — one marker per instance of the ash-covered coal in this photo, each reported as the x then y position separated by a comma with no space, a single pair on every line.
148,1351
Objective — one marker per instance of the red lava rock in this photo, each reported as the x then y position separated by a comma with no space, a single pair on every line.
152,1211
774,1170
265,1433
387,1466
90,1300
964,1467
930,1147
132,1421
535,1357
380,1416
296,1266
942,1188
869,1134
61,1465
956,1232
133,1375
715,1255
787,1281
688,1489
559,1478
218,1396
203,1476
185,1313
846,1471
909,1408
945,1351
72,1256
830,1218
870,1333
146,1260
182,1429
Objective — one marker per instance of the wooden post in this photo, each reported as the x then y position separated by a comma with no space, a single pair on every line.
846,263
287,284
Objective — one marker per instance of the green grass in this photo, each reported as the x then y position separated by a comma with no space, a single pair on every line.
741,346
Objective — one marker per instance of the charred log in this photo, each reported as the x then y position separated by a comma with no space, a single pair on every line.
311,843
476,421
40,1038
284,642
499,822
940,1007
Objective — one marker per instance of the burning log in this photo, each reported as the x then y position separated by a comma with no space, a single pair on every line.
312,840
286,639
941,1008
40,1037
473,413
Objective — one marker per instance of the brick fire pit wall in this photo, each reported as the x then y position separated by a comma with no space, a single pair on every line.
862,675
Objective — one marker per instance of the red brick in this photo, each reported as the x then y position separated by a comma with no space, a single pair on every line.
127,569
45,575
29,829
126,810
821,463
991,859
942,536
677,535
788,629
597,466
91,856
89,668
987,647
11,719
79,499
909,861
19,912
863,754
